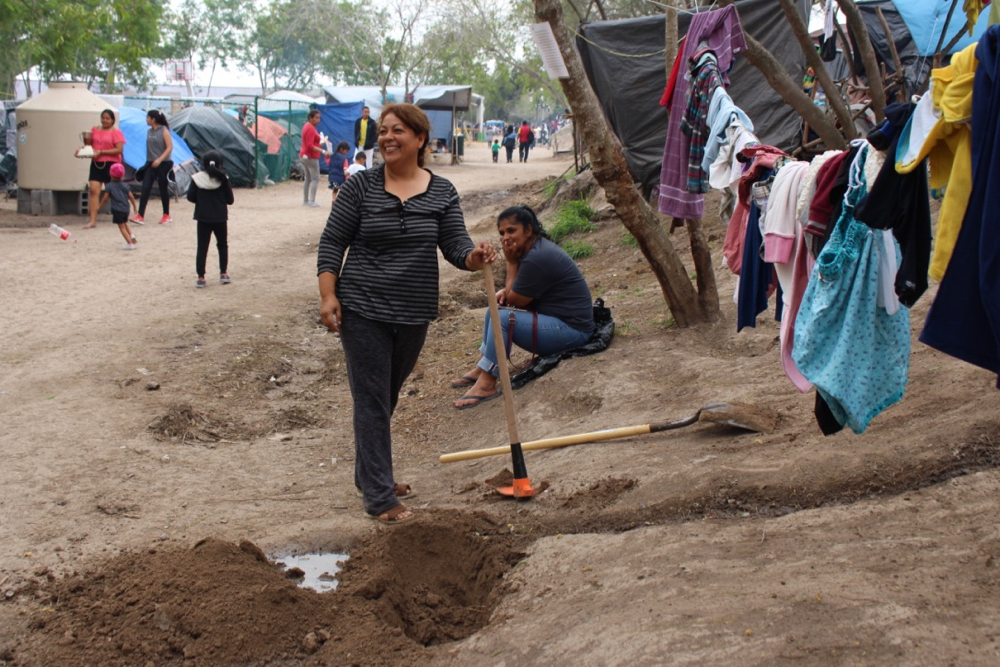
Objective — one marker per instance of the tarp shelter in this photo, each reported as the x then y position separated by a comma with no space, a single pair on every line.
625,64
916,27
205,128
132,123
336,121
437,101
280,150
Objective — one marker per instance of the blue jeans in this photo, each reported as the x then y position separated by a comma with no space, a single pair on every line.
554,336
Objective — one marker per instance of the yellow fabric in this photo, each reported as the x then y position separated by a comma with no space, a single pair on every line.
949,148
973,8
994,14
364,131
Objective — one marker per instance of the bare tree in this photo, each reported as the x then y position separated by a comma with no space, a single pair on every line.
613,174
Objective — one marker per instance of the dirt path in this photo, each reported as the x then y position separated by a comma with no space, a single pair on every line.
705,545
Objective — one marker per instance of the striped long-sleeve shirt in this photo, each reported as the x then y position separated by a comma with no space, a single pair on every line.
391,271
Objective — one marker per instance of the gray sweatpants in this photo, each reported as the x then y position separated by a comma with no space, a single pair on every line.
310,166
379,356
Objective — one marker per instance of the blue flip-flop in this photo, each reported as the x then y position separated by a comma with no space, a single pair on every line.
464,381
479,400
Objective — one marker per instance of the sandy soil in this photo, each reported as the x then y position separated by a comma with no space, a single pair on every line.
162,443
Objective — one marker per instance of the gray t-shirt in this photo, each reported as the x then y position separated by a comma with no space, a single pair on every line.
551,278
155,144
118,193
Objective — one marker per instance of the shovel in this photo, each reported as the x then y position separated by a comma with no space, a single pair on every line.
745,417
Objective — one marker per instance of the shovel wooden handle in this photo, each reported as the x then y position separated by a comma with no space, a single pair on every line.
501,354
567,440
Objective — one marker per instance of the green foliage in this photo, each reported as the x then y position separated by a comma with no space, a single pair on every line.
573,218
628,240
577,249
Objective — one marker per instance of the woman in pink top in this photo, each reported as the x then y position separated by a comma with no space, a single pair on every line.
108,143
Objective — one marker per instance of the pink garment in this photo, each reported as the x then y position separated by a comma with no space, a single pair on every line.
720,31
764,158
802,268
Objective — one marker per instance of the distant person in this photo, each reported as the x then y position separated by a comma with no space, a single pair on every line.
212,195
159,147
108,143
365,135
309,156
541,278
509,142
496,150
338,167
359,164
122,202
522,141
530,143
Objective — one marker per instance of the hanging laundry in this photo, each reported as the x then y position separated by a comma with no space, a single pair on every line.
668,92
782,236
762,158
722,113
831,184
901,202
725,172
720,30
964,320
809,186
949,149
705,80
852,350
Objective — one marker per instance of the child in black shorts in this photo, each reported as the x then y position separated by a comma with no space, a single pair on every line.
120,196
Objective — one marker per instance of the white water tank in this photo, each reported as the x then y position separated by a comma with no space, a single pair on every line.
48,133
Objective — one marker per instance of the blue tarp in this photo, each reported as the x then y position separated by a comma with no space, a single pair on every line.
336,121
132,123
926,18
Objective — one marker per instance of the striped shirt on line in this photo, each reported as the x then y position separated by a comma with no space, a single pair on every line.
391,271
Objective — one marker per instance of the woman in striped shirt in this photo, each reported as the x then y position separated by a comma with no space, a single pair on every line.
382,297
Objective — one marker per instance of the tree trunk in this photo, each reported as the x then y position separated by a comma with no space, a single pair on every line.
611,171
833,97
857,25
790,91
670,37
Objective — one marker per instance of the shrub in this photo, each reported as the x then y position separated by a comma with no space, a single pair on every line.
578,249
628,240
573,218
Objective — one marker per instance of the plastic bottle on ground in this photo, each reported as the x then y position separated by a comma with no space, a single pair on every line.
56,230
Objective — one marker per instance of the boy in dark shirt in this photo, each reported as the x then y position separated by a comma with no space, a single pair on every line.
120,196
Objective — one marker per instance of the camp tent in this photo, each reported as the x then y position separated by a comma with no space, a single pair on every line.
917,28
438,102
205,128
132,123
625,65
336,121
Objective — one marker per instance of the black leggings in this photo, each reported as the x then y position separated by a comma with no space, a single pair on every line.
160,174
205,231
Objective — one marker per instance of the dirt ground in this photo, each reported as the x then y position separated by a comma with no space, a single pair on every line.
162,445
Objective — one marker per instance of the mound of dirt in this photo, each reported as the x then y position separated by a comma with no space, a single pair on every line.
427,582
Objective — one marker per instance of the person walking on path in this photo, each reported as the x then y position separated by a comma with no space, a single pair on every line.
365,136
122,202
542,277
212,195
108,143
509,142
159,147
522,141
389,222
309,155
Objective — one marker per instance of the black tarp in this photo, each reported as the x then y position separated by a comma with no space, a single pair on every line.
625,64
205,128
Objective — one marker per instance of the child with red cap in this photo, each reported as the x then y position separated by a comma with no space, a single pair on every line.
120,196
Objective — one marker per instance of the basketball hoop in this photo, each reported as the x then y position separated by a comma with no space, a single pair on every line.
179,70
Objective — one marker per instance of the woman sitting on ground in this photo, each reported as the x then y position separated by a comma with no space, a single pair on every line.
540,277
